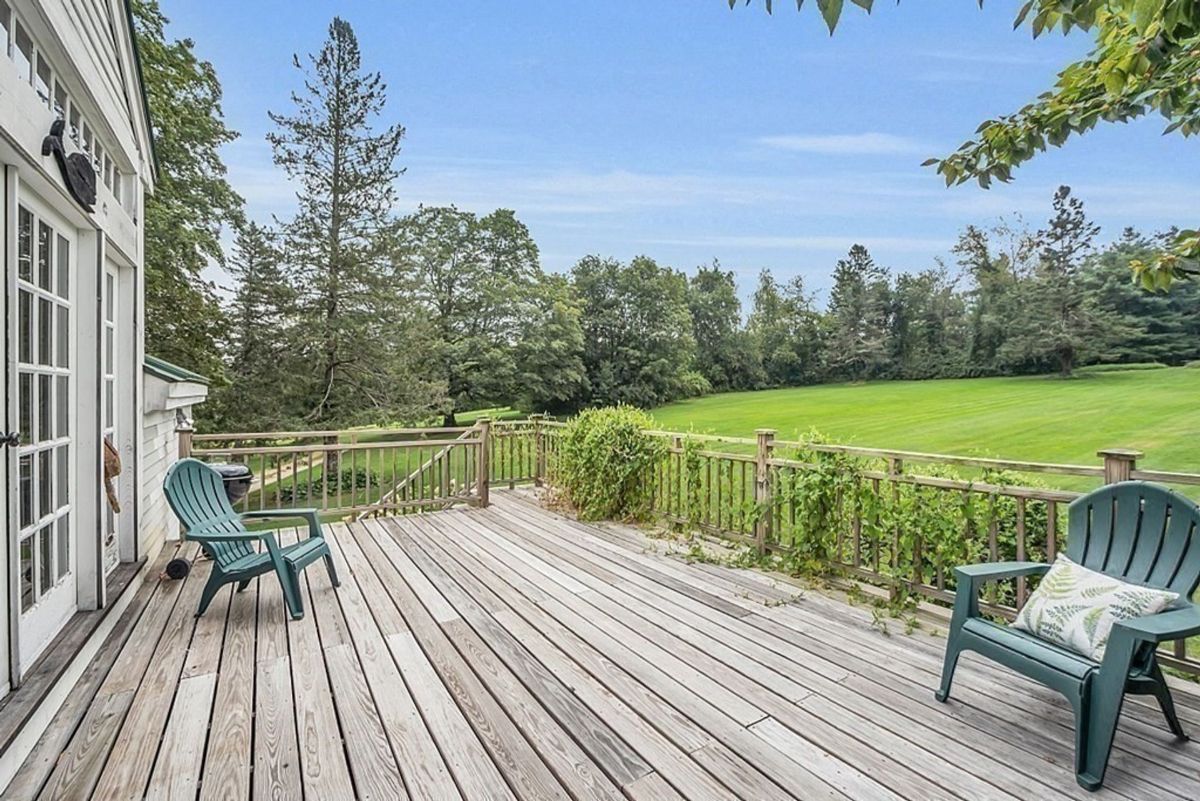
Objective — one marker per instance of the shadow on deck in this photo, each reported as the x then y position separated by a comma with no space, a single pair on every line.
509,652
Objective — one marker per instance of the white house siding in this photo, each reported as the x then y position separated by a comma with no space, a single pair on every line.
88,48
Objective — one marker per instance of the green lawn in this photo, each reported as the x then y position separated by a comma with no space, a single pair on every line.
1032,418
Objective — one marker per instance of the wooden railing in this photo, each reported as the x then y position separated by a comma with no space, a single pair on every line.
883,523
876,520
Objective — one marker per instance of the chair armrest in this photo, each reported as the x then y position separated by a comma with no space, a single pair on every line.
976,575
309,514
223,536
1172,624
264,513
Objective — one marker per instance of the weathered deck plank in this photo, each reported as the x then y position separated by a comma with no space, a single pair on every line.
512,653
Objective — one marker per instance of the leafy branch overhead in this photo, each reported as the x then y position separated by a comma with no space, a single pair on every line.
1145,59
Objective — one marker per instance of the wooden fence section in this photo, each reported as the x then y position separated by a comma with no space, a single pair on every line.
897,519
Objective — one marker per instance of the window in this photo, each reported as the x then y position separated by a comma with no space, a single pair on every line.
87,140
60,100
43,79
5,26
73,125
22,52
98,159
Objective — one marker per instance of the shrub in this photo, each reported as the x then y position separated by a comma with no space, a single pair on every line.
605,462
1121,368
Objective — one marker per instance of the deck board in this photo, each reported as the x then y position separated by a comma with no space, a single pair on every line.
512,653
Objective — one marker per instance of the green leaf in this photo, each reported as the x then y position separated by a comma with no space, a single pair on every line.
831,10
1145,12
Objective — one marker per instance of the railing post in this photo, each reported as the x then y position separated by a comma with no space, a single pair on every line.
184,430
539,450
483,460
762,487
1119,463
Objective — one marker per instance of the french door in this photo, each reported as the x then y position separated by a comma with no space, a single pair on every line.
41,361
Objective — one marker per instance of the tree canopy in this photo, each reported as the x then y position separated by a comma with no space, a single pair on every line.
1145,60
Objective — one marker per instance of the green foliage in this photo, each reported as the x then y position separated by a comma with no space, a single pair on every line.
638,344
362,346
604,458
192,199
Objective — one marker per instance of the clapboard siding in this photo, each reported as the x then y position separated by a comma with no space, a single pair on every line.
160,450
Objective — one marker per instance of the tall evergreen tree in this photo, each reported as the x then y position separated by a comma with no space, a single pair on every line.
1058,323
1163,327
990,298
261,394
192,199
859,307
337,243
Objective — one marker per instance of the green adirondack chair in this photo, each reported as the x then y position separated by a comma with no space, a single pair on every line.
197,496
1138,532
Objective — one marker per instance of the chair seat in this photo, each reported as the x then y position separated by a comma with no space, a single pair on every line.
297,555
1033,648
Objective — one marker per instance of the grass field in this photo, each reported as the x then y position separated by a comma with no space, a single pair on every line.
1035,418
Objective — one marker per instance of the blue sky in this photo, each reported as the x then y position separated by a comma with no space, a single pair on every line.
687,132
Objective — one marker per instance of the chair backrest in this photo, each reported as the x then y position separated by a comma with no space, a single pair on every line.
1138,532
197,496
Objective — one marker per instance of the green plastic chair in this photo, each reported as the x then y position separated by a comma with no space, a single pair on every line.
196,494
1138,532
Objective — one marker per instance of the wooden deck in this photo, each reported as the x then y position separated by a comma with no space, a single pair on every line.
510,653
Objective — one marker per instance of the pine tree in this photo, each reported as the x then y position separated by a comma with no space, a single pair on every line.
360,339
859,309
261,394
1059,323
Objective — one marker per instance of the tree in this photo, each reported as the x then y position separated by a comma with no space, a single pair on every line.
786,332
260,395
1058,322
192,200
724,353
551,376
859,308
991,298
475,280
638,344
1163,327
360,339
1145,59
928,326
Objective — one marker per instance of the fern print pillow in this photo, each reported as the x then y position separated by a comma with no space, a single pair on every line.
1076,607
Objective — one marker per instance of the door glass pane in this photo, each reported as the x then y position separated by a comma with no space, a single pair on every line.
44,326
64,546
110,297
44,406
25,245
25,402
25,479
25,328
45,559
45,483
64,337
45,241
64,267
63,408
26,573
109,335
64,468
108,404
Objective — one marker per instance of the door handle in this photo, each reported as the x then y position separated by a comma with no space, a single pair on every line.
12,439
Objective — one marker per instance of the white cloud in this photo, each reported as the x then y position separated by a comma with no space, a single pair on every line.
859,144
